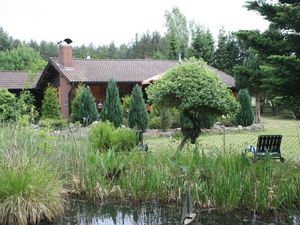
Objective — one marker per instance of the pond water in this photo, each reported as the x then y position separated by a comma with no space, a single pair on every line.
84,213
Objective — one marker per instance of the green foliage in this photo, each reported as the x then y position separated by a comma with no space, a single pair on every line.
7,105
29,192
112,110
245,116
50,104
195,91
26,107
56,124
155,122
202,45
21,58
84,106
165,118
126,106
104,136
227,54
176,24
278,47
138,116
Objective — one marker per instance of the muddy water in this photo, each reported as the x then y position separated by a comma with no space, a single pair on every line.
84,213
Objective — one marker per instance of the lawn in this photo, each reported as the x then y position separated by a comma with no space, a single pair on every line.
237,141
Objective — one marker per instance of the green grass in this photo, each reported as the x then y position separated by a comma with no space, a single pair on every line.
236,142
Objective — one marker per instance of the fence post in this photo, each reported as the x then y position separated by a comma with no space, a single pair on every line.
224,141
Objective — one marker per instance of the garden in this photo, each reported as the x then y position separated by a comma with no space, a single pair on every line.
100,158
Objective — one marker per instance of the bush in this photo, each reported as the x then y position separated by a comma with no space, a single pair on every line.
55,124
26,109
84,107
7,105
29,193
227,121
112,110
155,122
207,121
125,106
50,104
104,136
165,118
245,116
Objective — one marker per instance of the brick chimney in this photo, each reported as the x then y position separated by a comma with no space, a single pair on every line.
66,55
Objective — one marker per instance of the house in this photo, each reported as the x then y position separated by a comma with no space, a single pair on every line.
66,73
16,81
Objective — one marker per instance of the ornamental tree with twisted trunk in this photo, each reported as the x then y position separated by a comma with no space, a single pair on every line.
197,92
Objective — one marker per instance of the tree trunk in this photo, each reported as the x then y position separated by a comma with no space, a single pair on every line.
257,108
182,143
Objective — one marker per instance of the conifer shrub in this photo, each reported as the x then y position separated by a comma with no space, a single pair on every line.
138,116
104,136
112,110
245,115
83,106
50,104
7,105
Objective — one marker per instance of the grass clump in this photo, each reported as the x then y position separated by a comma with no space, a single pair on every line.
29,193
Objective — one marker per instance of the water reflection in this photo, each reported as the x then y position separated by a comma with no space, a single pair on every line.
83,213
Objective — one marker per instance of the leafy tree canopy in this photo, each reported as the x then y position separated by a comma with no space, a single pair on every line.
195,91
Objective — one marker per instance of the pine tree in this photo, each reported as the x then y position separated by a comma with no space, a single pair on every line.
202,45
172,47
50,104
245,116
138,116
112,110
84,106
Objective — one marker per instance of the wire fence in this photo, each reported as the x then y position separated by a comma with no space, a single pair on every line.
225,142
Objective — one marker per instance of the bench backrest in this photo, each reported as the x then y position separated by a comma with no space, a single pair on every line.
268,143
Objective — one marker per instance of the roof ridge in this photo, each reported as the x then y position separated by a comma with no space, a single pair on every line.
142,60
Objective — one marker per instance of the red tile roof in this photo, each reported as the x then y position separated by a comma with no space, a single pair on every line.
90,70
17,80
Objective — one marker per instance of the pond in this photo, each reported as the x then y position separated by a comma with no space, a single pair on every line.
84,213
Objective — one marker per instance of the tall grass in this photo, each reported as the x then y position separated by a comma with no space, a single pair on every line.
224,181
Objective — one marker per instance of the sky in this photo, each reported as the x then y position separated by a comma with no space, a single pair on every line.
102,21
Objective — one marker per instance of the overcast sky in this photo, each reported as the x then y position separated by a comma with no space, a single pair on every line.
102,21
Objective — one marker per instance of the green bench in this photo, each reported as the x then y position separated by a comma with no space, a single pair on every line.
267,145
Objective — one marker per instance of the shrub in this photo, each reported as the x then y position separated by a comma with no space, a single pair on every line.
84,107
155,122
7,105
245,116
112,110
29,193
165,118
207,121
26,107
138,116
126,105
55,124
104,136
50,104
